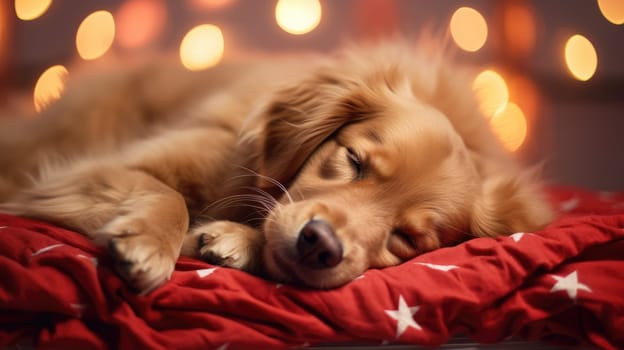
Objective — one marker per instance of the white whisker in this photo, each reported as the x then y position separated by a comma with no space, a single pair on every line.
271,180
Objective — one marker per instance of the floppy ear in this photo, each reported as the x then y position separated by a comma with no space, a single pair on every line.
298,119
511,199
510,203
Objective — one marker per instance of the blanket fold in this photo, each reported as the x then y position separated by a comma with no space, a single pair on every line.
563,284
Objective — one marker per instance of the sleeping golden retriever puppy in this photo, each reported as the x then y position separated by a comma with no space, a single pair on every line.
308,171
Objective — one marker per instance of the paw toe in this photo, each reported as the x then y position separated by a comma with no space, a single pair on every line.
143,266
213,258
206,239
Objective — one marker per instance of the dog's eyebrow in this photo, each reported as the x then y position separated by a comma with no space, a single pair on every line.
373,136
358,106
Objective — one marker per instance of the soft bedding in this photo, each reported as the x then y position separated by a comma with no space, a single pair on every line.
563,284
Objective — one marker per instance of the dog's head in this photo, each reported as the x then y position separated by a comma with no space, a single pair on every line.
385,156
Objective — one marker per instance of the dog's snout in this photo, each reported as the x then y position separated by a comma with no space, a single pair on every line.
318,246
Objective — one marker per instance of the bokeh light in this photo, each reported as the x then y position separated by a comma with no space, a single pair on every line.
202,47
491,91
510,126
581,57
468,29
49,86
613,10
27,10
5,44
520,28
298,16
210,4
95,35
132,33
524,92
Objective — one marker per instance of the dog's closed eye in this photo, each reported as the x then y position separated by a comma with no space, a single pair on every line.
405,238
356,163
402,244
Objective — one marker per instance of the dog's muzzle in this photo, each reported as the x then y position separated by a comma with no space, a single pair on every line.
318,246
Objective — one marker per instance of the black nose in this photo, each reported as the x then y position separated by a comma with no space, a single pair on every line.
318,245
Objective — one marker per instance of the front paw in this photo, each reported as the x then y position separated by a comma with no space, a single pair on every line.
225,243
144,254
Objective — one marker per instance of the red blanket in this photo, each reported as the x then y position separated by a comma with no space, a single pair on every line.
563,284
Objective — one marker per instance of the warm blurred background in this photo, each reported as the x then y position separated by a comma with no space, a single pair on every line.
550,72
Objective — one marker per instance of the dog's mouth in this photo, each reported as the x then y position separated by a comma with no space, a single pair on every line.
281,269
287,271
315,259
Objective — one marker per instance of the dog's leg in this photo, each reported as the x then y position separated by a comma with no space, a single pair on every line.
140,219
225,243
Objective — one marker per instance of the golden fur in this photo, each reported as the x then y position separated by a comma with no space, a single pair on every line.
305,170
